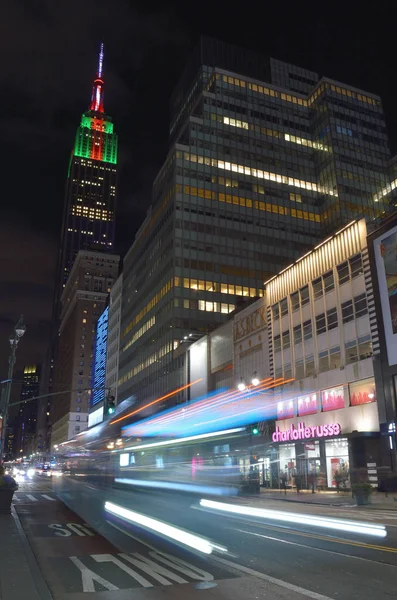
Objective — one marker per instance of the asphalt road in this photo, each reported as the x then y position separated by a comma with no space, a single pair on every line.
265,558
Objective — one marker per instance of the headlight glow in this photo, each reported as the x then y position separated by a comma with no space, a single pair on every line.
174,533
298,518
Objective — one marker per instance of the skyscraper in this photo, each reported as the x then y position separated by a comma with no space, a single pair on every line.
27,417
88,226
89,210
83,301
265,160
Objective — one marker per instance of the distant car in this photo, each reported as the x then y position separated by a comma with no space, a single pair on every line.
43,470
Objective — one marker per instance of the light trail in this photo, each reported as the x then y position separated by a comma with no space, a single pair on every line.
224,400
134,412
170,531
189,438
296,518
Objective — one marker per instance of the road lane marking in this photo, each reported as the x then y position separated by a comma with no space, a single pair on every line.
328,538
377,562
88,577
148,566
32,498
273,580
48,497
101,558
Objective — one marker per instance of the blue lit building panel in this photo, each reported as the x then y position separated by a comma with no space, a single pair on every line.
99,364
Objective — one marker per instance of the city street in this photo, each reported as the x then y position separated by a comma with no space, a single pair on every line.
265,557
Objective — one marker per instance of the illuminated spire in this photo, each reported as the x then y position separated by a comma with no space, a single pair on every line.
97,89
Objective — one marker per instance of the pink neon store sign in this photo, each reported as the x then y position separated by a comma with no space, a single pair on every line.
303,433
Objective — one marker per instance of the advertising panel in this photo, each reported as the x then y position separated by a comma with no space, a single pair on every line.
362,392
333,398
285,409
95,417
307,405
385,249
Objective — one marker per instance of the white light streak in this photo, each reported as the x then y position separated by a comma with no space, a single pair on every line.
179,535
188,438
300,519
182,487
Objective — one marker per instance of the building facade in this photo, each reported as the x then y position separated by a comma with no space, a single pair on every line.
83,301
26,430
321,333
265,161
89,208
113,347
98,381
310,343
382,244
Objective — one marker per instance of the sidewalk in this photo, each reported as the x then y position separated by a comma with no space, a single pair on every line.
326,498
20,576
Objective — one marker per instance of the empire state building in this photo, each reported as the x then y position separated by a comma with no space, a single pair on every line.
89,211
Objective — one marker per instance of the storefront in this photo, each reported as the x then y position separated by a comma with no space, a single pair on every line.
321,437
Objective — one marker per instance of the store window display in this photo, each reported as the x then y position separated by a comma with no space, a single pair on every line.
337,459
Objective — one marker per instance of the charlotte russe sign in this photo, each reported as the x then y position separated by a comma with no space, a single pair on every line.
304,433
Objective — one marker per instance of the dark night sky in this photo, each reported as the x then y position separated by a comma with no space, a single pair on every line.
49,52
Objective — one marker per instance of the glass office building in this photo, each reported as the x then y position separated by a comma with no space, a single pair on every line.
265,160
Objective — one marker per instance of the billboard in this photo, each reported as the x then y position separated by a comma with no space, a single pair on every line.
385,250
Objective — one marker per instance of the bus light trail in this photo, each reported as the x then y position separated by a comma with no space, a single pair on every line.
222,407
134,412
297,518
170,531
189,438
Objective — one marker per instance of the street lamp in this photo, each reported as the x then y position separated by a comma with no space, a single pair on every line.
16,335
242,384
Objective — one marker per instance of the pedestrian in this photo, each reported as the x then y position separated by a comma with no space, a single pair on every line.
338,480
283,482
298,482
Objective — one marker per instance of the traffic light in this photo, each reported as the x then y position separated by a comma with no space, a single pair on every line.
110,405
254,430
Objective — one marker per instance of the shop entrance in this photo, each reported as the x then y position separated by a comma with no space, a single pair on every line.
308,464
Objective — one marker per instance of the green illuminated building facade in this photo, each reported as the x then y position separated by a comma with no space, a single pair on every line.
89,212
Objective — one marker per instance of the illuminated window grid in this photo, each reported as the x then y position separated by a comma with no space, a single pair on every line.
96,214
240,201
386,190
155,216
270,132
194,284
296,99
259,174
223,288
221,307
145,327
146,363
156,298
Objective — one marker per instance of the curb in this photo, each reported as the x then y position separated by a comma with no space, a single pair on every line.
39,581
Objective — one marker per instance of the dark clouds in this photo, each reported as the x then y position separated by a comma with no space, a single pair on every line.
49,53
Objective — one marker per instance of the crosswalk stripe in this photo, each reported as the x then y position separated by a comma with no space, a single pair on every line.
48,497
32,498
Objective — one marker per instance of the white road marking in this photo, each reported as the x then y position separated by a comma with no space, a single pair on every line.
88,577
101,558
48,497
268,537
32,498
156,571
273,580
